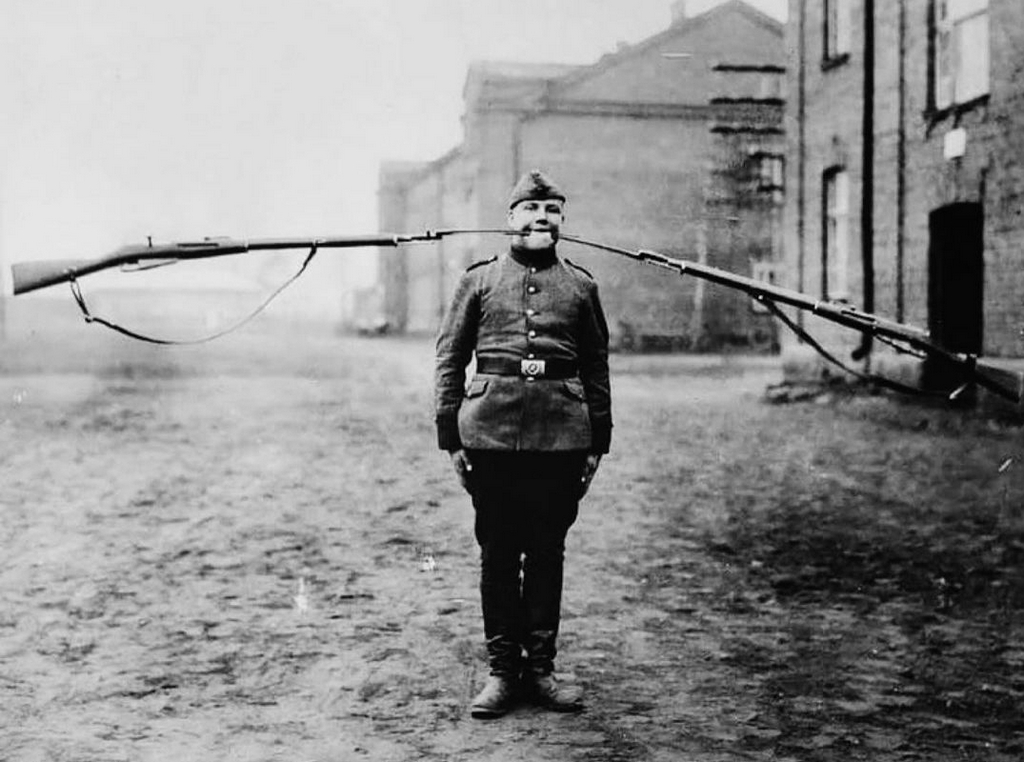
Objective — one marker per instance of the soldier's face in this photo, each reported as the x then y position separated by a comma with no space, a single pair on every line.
539,222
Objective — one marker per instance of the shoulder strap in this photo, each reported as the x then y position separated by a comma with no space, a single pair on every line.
576,266
481,263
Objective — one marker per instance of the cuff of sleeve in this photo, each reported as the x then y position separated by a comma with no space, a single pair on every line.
448,434
600,439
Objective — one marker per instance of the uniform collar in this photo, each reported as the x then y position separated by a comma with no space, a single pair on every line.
540,259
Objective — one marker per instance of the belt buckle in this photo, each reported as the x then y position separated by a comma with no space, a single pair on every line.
532,368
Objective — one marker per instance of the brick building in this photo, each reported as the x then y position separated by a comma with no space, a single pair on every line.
905,133
673,144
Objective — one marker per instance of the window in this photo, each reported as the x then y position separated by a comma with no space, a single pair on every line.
770,171
837,29
961,50
770,86
835,235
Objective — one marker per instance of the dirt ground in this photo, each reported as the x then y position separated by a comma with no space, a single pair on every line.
252,550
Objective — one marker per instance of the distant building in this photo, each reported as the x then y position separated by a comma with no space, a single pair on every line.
172,302
673,144
905,130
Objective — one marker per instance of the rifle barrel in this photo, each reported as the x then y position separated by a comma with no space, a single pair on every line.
991,377
33,275
838,312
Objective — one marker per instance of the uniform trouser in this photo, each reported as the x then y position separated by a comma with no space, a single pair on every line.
524,504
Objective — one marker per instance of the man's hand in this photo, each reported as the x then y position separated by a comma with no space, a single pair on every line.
462,467
589,469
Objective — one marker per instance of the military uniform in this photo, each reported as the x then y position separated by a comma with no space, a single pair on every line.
511,310
538,404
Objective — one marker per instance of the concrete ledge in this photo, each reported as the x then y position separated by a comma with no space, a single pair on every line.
802,365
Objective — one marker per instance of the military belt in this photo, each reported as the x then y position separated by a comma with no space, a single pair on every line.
528,366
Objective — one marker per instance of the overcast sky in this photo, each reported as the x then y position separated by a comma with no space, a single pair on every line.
185,118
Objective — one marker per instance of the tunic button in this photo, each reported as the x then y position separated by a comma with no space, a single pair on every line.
531,313
530,356
531,334
532,289
533,269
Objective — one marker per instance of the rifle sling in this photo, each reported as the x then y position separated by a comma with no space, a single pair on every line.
76,291
866,377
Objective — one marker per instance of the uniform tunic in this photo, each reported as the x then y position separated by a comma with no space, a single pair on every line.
516,307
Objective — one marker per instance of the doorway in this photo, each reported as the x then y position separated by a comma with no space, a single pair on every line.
955,286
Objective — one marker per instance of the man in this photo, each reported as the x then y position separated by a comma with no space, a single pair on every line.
526,436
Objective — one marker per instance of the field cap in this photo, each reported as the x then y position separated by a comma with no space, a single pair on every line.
535,186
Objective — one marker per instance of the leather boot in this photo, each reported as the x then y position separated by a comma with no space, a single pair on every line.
545,691
496,698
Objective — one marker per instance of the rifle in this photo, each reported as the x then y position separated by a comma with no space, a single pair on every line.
903,338
29,276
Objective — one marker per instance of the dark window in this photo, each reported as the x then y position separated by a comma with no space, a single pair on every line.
835,234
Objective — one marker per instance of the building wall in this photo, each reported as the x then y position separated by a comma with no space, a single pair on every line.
829,137
423,263
392,210
630,139
632,182
990,171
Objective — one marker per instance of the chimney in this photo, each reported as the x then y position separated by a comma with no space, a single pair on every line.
678,10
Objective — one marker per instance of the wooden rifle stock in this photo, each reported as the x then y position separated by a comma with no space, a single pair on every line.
30,276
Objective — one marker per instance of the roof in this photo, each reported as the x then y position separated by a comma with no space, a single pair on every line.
520,69
740,6
683,24
518,84
401,175
495,81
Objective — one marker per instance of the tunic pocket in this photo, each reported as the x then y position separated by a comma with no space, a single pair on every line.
574,390
476,388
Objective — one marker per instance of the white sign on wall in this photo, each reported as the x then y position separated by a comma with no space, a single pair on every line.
955,143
